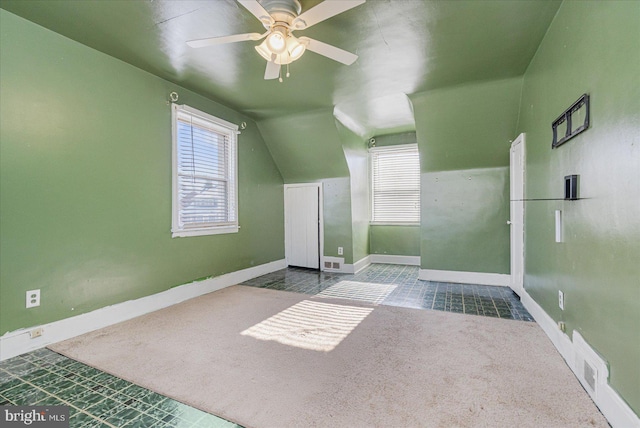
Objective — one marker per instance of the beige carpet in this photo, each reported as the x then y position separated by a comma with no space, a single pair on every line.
265,358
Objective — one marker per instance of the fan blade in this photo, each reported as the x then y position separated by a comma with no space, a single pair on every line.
322,11
272,71
336,54
200,43
258,11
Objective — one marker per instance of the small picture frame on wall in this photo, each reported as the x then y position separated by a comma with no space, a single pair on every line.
571,122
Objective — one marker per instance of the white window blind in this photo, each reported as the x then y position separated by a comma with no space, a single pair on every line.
395,179
205,174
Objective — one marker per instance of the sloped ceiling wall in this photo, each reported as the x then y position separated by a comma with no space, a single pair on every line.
306,147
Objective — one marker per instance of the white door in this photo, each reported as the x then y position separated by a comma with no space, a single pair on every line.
516,170
302,225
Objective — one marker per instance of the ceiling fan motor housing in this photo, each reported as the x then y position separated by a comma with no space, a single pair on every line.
282,10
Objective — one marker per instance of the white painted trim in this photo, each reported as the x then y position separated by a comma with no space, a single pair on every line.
391,223
224,127
615,409
481,278
584,353
361,264
517,281
612,406
395,260
561,341
320,187
348,268
18,342
410,150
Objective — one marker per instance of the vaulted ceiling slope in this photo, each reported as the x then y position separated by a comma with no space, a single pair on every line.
404,47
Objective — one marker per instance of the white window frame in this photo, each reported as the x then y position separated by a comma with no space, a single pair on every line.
231,131
373,221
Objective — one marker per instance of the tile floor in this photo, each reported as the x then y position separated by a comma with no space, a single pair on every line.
97,399
398,285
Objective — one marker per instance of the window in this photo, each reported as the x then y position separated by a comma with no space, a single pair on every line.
395,184
205,184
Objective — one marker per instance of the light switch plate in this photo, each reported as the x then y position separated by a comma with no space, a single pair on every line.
561,299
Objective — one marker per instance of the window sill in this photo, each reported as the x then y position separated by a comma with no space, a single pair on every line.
390,223
205,232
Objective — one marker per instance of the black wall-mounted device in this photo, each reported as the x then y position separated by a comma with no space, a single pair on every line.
569,123
571,187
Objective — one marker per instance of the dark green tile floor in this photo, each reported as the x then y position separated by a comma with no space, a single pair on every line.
95,398
398,285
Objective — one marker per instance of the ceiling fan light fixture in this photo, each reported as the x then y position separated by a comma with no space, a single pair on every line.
281,18
276,42
295,48
264,51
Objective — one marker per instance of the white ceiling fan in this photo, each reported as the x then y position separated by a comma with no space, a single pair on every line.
281,18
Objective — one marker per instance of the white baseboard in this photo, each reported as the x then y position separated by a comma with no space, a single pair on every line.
361,264
366,261
18,342
612,406
395,260
480,278
561,341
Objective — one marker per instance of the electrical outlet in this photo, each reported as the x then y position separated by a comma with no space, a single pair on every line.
561,299
340,251
562,326
33,298
36,332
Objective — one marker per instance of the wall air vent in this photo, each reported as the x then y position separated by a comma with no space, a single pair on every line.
332,264
590,375
590,368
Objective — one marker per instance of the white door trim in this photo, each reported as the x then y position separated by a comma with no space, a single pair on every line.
320,219
517,224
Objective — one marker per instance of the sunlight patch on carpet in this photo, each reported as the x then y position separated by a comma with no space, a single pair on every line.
362,291
310,325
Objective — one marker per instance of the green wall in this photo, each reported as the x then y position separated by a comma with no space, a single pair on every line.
85,183
465,226
591,47
357,156
464,135
395,240
338,226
